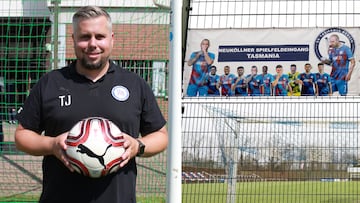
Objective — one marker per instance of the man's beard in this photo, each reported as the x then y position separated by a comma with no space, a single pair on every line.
92,66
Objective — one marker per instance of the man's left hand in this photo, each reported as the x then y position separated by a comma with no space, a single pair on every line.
131,149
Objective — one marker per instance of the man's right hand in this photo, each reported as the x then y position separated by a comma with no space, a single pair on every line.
59,147
325,61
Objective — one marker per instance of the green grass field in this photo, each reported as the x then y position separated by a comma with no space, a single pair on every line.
275,192
31,198
255,192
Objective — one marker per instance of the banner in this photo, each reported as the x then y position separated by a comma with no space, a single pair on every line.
264,53
272,47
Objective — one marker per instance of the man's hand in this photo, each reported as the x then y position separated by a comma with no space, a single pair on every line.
204,48
325,61
131,146
58,149
348,77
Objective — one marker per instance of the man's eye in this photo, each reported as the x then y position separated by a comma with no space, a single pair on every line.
100,37
84,37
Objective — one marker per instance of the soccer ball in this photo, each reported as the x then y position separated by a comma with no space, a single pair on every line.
95,146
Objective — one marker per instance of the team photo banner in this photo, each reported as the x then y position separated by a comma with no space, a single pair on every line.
263,53
272,47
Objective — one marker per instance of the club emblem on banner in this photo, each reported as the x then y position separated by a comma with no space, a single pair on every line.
321,45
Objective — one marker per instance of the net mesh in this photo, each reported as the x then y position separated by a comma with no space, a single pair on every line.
268,149
273,14
35,38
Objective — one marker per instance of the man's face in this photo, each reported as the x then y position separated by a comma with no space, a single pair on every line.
253,71
293,69
333,42
240,71
264,69
93,42
226,70
213,71
204,45
279,70
307,68
321,68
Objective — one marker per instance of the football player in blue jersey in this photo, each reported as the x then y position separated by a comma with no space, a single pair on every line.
239,86
307,81
281,82
255,83
268,79
225,82
212,82
342,61
322,82
201,62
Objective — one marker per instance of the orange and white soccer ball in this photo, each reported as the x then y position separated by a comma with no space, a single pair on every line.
95,146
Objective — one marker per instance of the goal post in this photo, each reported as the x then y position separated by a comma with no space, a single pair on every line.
174,148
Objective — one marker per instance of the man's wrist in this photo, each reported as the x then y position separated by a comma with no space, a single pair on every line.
141,148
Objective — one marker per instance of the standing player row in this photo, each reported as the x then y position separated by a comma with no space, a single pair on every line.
265,84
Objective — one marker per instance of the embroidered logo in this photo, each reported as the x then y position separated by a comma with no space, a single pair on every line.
120,93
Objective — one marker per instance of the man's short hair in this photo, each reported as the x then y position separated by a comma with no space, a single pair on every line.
206,40
279,66
336,36
89,12
240,67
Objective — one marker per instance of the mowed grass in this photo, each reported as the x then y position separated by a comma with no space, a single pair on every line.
274,192
34,198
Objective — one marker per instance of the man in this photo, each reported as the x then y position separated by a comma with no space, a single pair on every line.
307,81
91,86
268,79
225,82
293,76
255,83
239,86
342,61
212,82
201,62
322,82
281,82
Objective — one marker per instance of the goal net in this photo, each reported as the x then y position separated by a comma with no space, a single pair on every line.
35,38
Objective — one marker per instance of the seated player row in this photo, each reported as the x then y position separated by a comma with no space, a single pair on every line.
265,84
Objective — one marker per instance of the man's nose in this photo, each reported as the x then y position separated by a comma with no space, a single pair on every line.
92,42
